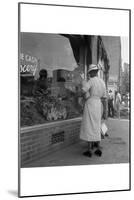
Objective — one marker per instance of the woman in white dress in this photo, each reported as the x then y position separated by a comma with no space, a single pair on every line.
94,90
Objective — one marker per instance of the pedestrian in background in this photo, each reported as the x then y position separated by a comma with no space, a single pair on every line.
94,90
110,104
117,103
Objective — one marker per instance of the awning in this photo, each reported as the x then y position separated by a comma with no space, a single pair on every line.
81,46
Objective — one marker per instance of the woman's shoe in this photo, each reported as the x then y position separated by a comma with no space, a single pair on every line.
98,152
87,153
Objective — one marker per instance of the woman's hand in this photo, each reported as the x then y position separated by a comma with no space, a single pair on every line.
82,76
83,82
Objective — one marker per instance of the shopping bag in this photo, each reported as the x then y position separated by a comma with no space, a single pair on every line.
104,129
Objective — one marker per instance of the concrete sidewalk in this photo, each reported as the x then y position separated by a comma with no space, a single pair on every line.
115,149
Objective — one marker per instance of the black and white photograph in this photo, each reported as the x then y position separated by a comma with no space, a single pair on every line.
66,119
74,101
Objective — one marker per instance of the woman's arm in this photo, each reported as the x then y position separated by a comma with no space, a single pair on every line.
86,86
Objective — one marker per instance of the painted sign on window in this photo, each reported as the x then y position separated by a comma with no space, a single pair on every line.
28,64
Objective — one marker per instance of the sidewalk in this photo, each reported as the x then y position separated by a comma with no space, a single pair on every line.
115,149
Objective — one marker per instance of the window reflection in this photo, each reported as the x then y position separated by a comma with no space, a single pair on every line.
50,94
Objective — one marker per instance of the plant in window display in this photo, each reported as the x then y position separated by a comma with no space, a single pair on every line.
51,108
57,111
29,113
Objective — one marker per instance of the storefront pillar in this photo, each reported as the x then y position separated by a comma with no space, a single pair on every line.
94,49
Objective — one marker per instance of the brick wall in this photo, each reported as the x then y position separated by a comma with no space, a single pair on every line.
39,141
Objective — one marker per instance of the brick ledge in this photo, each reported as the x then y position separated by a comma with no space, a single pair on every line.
47,125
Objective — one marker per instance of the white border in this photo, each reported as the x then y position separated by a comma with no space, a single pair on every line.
74,179
60,19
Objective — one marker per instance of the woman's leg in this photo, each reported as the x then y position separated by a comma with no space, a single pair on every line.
98,151
90,146
88,152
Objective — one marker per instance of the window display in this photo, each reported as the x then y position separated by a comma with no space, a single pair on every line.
49,91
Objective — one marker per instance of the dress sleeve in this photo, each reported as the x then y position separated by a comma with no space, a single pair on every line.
86,85
104,90
119,96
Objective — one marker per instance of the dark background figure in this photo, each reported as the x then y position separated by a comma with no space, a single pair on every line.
41,85
26,86
110,104
61,79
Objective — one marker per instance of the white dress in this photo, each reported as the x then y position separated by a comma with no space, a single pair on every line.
91,121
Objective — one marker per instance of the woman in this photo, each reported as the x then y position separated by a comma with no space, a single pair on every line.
94,90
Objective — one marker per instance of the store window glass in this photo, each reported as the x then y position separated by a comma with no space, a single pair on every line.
50,86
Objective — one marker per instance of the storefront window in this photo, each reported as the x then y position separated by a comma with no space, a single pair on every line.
49,80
